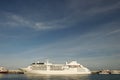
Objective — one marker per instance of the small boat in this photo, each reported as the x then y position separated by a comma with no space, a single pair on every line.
3,70
105,72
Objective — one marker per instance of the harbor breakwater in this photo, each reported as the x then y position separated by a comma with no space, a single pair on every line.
15,72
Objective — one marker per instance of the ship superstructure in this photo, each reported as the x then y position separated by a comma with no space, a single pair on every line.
48,68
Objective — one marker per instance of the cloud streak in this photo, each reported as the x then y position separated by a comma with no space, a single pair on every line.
14,20
78,14
114,32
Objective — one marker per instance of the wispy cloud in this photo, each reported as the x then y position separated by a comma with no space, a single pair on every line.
14,20
113,32
110,28
75,12
103,9
88,8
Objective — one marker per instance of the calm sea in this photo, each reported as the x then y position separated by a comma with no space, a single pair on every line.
62,77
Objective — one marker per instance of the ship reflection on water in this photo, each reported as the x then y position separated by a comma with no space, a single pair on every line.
58,77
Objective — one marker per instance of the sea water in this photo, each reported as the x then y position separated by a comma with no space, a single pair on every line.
59,77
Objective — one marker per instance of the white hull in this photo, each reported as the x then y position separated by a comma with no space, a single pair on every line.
54,72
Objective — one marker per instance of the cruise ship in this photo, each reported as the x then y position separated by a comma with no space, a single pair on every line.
49,68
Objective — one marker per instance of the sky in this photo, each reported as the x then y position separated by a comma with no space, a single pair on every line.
60,30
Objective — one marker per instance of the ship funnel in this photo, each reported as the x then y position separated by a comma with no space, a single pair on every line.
38,62
66,63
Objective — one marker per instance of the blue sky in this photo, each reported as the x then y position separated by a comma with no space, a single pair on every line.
60,30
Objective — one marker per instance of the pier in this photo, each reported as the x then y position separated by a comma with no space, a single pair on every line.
15,72
106,72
